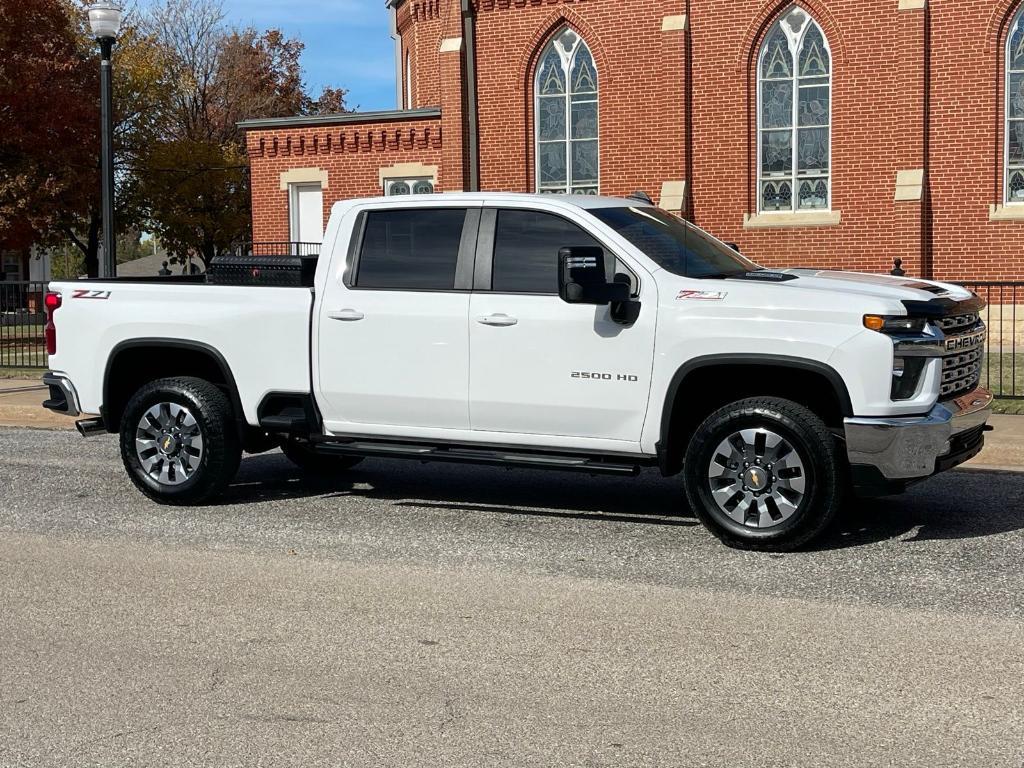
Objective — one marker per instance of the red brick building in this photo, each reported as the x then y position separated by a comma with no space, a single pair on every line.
840,133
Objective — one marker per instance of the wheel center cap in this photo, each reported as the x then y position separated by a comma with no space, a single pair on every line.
756,479
169,445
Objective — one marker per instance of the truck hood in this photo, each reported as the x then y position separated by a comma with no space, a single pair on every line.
883,287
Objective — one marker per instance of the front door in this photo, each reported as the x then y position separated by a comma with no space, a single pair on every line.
307,213
392,343
540,366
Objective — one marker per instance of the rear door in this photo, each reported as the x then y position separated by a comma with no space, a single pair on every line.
540,366
392,340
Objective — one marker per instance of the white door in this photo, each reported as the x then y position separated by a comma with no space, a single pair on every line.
393,342
307,213
540,366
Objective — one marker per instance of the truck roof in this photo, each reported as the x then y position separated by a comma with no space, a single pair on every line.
578,201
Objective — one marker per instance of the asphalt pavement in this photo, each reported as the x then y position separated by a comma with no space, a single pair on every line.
433,615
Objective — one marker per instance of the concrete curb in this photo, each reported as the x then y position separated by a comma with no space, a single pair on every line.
21,406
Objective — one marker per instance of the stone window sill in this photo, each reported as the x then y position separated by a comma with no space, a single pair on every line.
807,219
1012,212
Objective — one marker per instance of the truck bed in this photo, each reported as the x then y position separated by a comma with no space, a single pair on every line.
262,333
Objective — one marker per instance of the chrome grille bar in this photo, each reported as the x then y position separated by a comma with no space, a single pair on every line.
962,363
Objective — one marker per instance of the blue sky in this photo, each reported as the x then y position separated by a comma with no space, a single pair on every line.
348,44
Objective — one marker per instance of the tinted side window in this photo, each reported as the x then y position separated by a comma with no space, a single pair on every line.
526,245
411,249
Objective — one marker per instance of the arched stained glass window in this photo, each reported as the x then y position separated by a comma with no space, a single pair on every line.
566,117
794,116
1015,111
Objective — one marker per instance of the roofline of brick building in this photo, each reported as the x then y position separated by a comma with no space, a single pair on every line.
302,121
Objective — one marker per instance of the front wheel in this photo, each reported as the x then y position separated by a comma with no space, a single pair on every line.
179,441
764,474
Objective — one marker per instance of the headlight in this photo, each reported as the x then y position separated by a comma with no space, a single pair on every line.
895,324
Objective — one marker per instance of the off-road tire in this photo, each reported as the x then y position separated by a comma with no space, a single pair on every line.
817,449
221,447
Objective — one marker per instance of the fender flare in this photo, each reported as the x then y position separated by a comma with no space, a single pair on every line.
775,361
186,344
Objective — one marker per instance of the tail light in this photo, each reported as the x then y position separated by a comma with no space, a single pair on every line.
52,303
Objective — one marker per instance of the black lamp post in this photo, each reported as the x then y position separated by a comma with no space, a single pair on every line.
105,22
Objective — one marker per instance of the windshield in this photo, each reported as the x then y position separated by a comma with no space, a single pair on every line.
674,244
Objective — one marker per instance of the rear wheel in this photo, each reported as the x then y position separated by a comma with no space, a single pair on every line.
765,474
179,442
308,460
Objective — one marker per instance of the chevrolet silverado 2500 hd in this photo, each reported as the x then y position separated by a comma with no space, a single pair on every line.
584,334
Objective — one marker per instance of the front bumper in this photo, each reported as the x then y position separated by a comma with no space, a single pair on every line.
63,396
887,454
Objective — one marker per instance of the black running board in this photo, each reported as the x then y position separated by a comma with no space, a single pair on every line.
593,465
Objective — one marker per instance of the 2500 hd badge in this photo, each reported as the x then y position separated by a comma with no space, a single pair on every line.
605,376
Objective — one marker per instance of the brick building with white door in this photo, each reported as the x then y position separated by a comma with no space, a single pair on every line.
844,133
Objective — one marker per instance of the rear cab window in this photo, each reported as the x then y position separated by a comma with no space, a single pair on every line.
410,249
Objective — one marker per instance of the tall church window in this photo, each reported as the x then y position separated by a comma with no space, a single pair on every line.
1015,111
566,107
794,116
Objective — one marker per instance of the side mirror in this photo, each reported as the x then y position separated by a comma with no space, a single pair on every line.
583,279
583,276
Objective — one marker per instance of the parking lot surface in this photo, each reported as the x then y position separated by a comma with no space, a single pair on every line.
407,615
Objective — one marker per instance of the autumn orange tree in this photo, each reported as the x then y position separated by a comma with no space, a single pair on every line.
183,79
194,180
48,119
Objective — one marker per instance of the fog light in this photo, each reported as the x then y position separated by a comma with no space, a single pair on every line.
906,375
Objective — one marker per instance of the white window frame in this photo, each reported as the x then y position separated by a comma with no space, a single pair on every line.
568,59
795,45
412,181
1015,25
408,79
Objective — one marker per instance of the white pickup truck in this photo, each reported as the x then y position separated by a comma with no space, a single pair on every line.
584,334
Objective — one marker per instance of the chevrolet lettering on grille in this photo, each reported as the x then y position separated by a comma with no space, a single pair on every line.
970,341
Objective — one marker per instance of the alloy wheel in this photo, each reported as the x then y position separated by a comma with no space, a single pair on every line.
169,443
757,478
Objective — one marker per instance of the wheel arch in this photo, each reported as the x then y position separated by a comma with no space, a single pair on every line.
177,357
724,371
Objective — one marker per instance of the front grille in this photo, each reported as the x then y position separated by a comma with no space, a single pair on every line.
957,323
961,366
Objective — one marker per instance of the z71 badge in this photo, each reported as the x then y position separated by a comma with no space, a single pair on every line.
701,295
84,294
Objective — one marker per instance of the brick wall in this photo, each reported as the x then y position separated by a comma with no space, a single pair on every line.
914,89
876,115
967,127
352,156
640,73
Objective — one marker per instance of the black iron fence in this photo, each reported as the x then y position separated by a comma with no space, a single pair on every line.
22,319
283,248
1003,372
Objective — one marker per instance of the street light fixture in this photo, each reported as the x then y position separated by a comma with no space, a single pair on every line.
105,22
